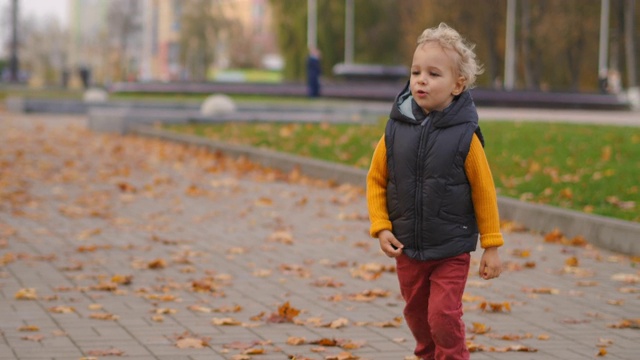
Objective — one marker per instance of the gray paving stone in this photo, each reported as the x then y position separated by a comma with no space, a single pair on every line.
224,231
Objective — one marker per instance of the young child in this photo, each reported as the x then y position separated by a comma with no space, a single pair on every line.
430,192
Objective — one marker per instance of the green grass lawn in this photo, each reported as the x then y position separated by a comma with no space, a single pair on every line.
589,168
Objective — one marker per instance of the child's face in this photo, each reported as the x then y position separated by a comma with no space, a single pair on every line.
434,79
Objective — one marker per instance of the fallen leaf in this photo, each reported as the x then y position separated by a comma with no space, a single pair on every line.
191,343
626,278
479,328
626,324
62,309
327,282
294,340
37,337
495,307
572,261
281,236
342,356
26,294
254,351
225,322
157,264
31,328
103,316
108,352
286,313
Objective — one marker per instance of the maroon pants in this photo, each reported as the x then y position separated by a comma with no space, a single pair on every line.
433,292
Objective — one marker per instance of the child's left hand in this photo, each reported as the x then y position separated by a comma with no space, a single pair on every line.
490,264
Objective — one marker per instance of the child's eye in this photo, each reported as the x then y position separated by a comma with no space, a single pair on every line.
415,72
434,74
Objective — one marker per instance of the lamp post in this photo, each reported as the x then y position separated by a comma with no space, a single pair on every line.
312,24
510,53
13,61
604,44
348,32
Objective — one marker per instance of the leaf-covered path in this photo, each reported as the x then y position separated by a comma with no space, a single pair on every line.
131,247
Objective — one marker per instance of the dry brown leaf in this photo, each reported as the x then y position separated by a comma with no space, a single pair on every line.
495,307
36,337
626,324
122,279
200,308
194,343
108,352
254,351
325,342
62,309
479,328
345,355
337,324
166,311
286,313
572,261
103,316
546,291
95,307
225,322
26,294
626,278
294,340
29,328
157,264
281,236
327,282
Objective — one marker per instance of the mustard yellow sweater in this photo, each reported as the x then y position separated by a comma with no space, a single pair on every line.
483,193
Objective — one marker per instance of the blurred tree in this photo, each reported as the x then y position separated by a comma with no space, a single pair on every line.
630,17
557,40
376,37
204,27
291,19
43,50
124,21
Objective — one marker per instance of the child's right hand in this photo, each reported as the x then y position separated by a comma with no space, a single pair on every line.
389,244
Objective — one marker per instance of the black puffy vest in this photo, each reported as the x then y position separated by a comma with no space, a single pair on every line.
428,194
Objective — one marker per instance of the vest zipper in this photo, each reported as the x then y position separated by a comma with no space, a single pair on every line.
424,129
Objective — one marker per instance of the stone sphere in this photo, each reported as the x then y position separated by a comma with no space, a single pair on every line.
217,104
95,95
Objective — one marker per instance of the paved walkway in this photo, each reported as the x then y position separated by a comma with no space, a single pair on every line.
150,250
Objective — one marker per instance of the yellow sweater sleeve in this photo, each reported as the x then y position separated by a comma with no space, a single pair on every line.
483,194
377,191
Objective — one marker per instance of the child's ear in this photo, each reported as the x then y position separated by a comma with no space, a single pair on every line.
459,87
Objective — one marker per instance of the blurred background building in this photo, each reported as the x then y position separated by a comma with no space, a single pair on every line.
107,41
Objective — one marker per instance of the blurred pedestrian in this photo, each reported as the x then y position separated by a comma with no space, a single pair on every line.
430,192
313,72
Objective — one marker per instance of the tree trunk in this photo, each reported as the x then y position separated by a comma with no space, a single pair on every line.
630,43
525,43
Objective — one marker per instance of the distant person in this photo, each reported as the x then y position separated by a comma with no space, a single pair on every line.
313,72
430,192
85,76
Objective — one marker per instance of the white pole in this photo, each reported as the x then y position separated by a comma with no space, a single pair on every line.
604,39
349,32
510,44
312,24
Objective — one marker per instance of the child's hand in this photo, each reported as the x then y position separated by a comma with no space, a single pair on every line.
389,244
490,264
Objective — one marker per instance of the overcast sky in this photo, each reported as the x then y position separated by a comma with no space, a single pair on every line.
41,8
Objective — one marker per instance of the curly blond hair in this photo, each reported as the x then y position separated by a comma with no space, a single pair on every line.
448,38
